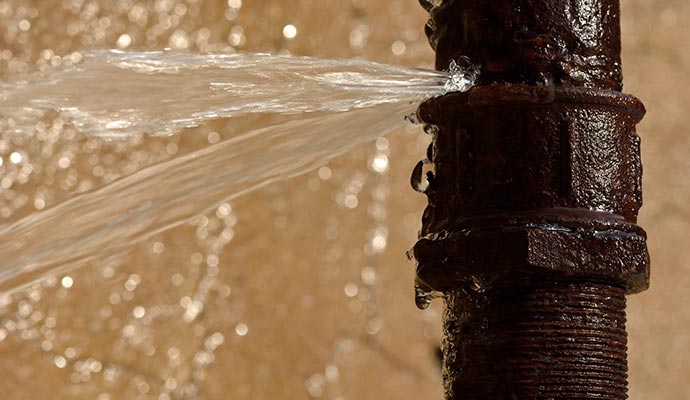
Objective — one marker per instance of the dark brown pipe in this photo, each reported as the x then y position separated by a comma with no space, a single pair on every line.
549,340
543,42
530,231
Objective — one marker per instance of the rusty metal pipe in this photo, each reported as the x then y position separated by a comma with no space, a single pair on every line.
530,232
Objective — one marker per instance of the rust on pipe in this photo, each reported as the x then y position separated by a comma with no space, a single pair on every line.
530,232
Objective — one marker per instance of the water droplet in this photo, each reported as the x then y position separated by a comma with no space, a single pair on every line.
24,25
424,294
139,312
422,176
289,31
412,118
67,282
351,289
398,47
15,158
314,385
325,173
374,326
241,329
60,361
124,41
379,163
368,275
332,373
431,130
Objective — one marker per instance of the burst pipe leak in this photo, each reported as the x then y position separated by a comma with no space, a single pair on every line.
530,232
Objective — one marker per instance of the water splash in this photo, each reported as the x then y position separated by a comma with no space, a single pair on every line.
462,75
170,193
346,103
116,93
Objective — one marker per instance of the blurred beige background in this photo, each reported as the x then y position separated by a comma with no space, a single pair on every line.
281,294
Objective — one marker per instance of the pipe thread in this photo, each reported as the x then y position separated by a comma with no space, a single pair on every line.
552,340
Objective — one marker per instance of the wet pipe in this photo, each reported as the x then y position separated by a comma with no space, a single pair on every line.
530,232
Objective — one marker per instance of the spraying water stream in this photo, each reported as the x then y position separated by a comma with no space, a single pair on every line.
111,94
345,103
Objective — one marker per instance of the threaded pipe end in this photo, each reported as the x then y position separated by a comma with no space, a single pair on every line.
551,340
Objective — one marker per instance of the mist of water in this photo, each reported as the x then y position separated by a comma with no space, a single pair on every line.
345,103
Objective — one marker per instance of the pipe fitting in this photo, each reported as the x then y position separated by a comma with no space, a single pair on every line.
534,184
533,181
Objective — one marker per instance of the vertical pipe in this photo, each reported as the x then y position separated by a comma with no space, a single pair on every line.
530,232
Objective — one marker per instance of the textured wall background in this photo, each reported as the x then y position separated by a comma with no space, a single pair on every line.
301,290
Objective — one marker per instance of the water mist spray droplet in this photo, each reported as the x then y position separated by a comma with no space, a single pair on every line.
422,176
431,130
424,294
412,118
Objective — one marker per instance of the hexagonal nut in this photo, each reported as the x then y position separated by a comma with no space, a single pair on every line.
517,254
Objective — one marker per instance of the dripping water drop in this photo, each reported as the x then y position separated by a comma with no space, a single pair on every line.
424,294
422,176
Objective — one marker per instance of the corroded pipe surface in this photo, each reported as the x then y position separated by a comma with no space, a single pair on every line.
531,231
550,340
547,42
